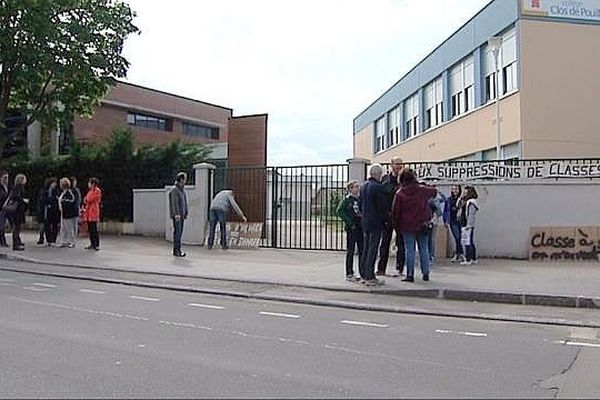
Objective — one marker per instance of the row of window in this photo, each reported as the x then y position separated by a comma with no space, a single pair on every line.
166,125
461,89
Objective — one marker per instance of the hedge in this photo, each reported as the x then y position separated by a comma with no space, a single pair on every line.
117,164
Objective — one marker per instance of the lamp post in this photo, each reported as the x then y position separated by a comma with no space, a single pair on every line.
495,44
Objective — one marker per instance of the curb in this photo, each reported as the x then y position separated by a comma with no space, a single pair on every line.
322,303
440,294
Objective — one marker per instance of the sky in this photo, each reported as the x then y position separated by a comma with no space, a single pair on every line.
312,65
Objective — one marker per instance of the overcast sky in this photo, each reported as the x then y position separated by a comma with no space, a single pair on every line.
312,65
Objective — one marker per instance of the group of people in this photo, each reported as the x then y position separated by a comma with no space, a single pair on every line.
60,209
398,203
220,206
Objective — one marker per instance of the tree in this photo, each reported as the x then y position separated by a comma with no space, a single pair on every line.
58,58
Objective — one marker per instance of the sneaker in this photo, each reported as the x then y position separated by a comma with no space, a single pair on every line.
456,258
71,245
374,282
352,278
466,263
475,262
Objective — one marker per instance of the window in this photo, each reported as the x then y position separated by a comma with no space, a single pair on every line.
411,110
148,121
394,126
434,110
462,78
507,60
196,130
380,135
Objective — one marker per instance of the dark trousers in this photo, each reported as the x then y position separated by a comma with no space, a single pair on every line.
51,228
94,236
455,228
384,251
220,217
177,234
16,234
372,241
470,250
354,239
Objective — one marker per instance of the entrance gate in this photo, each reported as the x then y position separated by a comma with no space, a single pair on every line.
296,205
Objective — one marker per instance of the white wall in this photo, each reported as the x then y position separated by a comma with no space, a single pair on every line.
149,211
509,210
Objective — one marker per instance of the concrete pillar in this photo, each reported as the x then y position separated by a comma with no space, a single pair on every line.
34,140
357,169
198,197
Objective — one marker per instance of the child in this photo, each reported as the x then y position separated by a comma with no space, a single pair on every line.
349,211
469,210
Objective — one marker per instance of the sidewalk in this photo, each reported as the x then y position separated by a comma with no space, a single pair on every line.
505,281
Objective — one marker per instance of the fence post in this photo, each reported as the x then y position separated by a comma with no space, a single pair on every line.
274,207
357,169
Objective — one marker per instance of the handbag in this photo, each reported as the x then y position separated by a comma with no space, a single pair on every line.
10,207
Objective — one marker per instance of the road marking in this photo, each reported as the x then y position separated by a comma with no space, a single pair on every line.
143,298
361,323
35,289
6,280
46,285
206,306
8,284
579,344
472,334
271,314
91,291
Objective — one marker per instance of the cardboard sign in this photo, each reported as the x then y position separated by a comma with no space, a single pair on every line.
240,235
564,244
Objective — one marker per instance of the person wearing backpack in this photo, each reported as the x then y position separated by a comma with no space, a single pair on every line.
350,212
69,211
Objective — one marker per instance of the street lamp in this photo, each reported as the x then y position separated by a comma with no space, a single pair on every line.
495,44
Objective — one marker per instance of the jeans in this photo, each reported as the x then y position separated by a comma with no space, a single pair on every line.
422,240
471,251
94,236
354,238
217,216
372,240
455,228
177,234
384,250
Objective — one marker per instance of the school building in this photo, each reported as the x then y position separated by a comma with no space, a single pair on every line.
546,85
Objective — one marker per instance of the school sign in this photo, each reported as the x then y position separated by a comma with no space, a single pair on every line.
587,10
495,171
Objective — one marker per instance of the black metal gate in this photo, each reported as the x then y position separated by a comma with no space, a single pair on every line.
296,205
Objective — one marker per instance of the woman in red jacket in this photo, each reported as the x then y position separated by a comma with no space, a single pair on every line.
410,215
91,212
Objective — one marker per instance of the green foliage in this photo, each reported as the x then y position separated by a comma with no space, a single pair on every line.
117,164
65,52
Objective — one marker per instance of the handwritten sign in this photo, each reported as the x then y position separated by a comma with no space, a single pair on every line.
240,235
494,171
565,244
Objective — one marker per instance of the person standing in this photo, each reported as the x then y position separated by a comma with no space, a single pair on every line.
42,211
411,213
91,212
69,212
469,210
14,207
391,185
52,221
4,192
178,209
451,215
219,209
437,205
374,205
78,201
350,213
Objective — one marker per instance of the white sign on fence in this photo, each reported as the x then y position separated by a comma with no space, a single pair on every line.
240,235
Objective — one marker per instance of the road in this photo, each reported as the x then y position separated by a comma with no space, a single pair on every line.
65,338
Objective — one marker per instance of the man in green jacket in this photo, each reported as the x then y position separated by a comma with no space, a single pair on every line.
349,211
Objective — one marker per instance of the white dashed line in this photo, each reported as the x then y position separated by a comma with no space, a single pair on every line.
91,291
143,298
369,324
35,289
472,334
46,285
271,314
206,306
6,280
8,284
579,344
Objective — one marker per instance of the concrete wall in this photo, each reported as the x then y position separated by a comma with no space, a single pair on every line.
149,211
509,210
560,85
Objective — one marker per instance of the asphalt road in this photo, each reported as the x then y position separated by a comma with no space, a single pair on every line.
79,339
